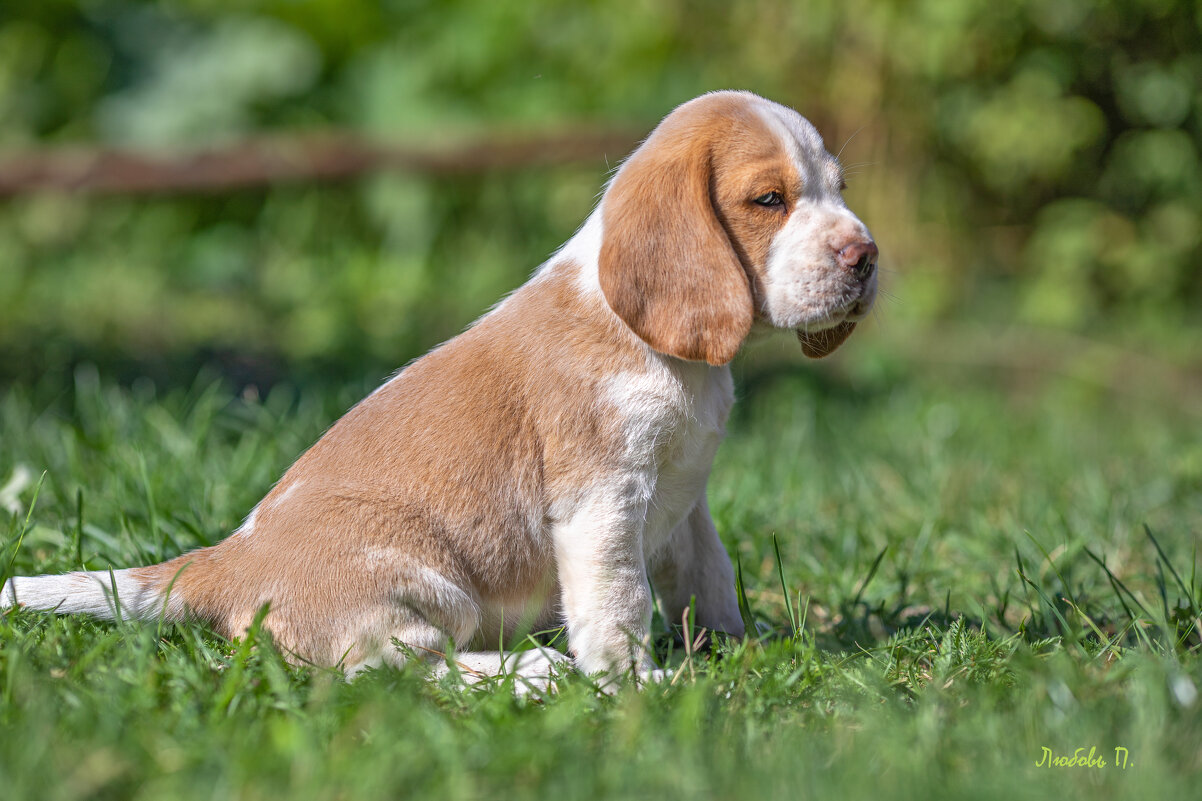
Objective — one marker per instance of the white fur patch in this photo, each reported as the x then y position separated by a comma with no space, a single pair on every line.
248,525
287,493
584,250
674,419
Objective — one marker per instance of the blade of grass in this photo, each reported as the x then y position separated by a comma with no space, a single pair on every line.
1068,593
152,509
1186,591
1065,629
780,573
77,531
1106,642
12,560
749,626
876,563
224,702
1115,581
1162,589
1032,613
115,599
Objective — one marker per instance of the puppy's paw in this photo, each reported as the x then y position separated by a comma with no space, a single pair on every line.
652,676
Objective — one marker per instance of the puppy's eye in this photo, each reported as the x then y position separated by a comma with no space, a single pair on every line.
770,199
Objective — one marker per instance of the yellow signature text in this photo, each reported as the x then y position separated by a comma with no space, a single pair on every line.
1080,758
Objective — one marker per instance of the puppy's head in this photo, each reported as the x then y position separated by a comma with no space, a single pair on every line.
730,212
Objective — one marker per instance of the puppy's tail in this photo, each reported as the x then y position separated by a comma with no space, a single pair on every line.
135,593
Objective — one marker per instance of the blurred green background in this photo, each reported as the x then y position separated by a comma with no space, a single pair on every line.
1030,169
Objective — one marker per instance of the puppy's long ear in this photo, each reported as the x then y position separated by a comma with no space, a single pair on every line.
667,266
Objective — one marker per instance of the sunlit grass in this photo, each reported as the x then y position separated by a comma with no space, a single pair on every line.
923,556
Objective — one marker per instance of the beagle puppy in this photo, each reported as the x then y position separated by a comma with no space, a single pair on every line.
547,466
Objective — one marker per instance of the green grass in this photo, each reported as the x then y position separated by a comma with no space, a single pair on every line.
917,547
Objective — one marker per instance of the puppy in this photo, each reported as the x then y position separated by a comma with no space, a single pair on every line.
548,465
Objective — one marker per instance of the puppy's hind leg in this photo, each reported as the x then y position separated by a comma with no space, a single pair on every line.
411,636
423,615
429,621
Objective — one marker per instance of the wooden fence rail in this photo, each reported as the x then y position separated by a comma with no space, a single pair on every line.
297,159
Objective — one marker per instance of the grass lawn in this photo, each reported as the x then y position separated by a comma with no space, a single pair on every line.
938,614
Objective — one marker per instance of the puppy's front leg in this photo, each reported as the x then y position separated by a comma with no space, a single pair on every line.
603,579
694,566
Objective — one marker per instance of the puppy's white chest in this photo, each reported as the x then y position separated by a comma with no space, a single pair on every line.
674,420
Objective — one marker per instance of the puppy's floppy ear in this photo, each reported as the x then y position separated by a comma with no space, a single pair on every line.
822,343
667,266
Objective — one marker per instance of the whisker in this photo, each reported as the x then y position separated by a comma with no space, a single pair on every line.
848,142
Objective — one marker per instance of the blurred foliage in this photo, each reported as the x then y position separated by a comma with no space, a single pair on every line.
1025,161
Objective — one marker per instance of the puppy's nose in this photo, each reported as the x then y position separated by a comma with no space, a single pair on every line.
860,258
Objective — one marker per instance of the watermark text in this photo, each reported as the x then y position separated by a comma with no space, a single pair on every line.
1081,758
